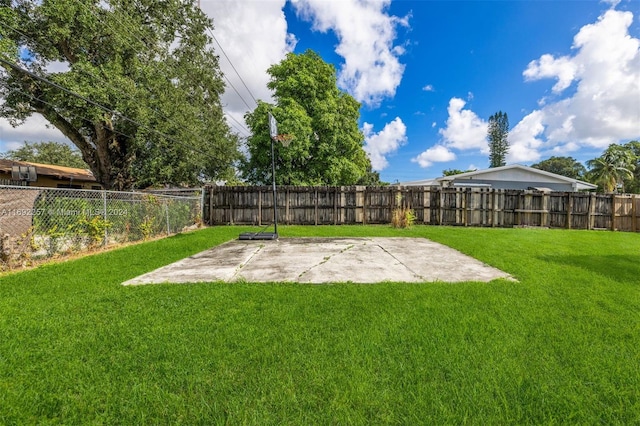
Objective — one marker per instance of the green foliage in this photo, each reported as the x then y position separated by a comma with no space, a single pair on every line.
497,135
149,62
371,178
94,228
564,166
632,185
8,47
54,153
613,167
146,227
402,216
452,172
327,145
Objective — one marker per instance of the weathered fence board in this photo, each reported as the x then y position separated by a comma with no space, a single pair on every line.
336,205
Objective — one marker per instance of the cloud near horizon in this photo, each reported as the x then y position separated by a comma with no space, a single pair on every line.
387,141
464,130
604,106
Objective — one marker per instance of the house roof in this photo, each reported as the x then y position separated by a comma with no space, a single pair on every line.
422,182
50,170
518,168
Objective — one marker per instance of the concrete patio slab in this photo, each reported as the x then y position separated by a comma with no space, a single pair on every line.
325,260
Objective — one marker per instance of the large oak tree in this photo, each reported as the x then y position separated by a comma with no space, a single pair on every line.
142,98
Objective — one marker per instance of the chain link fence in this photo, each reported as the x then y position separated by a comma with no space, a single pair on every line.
41,223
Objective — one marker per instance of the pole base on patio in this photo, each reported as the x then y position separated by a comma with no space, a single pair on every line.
258,236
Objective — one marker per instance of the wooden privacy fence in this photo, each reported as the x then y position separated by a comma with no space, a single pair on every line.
336,205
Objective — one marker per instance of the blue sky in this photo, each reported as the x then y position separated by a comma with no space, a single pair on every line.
430,73
476,52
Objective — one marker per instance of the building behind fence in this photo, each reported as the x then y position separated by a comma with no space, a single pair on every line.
431,205
38,223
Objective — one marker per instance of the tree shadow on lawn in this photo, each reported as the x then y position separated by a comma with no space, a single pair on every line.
621,268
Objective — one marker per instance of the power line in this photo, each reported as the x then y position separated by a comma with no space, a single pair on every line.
156,112
96,104
232,66
92,11
239,123
35,98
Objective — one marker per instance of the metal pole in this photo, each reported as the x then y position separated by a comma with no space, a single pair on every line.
273,175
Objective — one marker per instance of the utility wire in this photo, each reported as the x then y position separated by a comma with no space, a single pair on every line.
234,68
91,11
238,122
157,112
96,104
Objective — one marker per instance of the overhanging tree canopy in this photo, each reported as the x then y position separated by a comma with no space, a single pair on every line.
154,87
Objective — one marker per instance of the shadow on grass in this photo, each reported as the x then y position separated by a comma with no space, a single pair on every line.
621,268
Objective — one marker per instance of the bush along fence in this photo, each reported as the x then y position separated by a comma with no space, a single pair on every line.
431,205
39,223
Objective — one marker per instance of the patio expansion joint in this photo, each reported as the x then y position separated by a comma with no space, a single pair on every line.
243,264
400,262
325,260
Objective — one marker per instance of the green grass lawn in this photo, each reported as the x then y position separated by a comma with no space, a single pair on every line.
561,345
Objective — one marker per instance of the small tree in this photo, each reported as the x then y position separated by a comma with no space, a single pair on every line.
497,135
453,172
54,153
633,185
615,165
565,166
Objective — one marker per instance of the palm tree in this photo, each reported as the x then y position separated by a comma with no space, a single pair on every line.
616,164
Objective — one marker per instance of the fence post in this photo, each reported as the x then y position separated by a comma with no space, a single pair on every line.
441,206
494,213
613,211
212,219
315,204
569,209
634,213
545,217
166,210
360,201
104,214
202,200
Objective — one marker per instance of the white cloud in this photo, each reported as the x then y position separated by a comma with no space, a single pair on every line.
34,129
605,107
435,154
548,67
464,130
429,88
387,141
524,143
254,36
366,34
